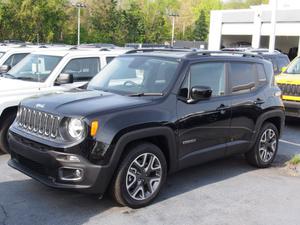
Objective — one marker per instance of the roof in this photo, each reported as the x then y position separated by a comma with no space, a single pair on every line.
260,51
77,52
161,52
189,53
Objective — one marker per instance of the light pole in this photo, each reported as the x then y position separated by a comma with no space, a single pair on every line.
79,5
173,15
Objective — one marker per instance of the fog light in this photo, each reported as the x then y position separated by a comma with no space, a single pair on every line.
67,158
70,174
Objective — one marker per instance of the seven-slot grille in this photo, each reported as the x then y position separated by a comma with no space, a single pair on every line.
37,122
290,89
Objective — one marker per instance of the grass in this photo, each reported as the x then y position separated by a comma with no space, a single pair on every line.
295,160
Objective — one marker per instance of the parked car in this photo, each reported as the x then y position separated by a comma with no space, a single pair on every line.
10,56
148,114
289,83
278,59
46,72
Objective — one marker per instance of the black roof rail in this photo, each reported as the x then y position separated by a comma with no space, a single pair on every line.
240,53
142,50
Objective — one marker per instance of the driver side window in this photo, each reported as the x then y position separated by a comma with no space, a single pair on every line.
210,74
83,69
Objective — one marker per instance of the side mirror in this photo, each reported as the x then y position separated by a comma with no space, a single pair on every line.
64,78
283,69
5,68
200,93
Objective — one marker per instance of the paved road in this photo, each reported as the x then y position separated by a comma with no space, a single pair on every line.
221,192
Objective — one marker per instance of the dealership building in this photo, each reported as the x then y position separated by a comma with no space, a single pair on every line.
241,27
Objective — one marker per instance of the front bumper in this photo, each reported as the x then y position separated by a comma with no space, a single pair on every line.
292,108
45,165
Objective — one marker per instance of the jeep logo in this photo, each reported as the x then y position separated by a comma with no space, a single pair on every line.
40,106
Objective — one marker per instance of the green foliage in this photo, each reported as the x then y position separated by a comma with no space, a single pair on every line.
295,160
201,29
110,21
32,19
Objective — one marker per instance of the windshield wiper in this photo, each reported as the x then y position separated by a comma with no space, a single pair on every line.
7,75
145,94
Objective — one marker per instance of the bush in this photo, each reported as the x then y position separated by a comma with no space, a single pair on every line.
295,160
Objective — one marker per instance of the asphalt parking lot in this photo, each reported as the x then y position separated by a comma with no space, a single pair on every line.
222,192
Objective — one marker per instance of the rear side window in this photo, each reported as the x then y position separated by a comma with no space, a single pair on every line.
83,69
14,59
262,77
242,77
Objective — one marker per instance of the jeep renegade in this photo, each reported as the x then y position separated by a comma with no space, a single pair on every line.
145,115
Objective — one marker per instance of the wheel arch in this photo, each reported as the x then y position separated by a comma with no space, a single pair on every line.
6,112
162,137
275,117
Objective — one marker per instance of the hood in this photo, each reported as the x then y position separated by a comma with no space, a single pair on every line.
288,79
83,102
9,85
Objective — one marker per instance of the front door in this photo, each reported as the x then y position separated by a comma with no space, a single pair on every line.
203,127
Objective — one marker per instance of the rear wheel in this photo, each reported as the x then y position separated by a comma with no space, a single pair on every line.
8,120
140,176
265,149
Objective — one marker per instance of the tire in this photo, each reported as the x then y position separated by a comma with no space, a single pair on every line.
265,149
8,120
130,182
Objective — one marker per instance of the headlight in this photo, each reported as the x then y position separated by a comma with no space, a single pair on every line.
76,128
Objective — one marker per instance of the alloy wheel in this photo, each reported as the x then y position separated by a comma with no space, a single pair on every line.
143,176
267,145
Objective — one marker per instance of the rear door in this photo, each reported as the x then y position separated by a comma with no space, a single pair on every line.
247,81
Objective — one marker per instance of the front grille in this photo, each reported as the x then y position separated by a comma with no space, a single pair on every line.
37,122
290,89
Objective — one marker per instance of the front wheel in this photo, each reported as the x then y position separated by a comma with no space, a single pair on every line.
140,176
265,149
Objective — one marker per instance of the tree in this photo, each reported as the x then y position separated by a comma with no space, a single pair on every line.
201,29
135,24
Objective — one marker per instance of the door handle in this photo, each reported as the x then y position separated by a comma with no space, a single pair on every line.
222,108
259,101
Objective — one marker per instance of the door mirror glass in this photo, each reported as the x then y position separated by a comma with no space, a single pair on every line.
64,78
200,93
5,68
283,69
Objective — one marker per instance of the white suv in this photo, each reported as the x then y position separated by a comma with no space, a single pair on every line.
46,72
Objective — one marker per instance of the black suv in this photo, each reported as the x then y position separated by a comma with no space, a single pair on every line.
147,114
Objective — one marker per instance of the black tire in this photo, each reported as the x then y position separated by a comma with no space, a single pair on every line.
119,185
254,157
8,120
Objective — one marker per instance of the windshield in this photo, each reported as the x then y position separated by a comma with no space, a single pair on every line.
135,74
294,67
34,67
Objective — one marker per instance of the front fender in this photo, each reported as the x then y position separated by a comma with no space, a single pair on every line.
140,134
120,145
